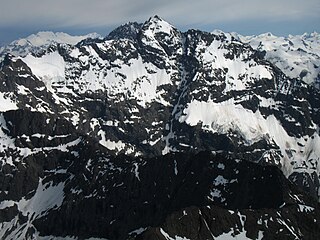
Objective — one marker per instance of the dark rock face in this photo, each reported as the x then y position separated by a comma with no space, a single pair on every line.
125,31
213,222
152,133
114,196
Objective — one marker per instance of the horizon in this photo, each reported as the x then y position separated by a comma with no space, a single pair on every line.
82,32
79,17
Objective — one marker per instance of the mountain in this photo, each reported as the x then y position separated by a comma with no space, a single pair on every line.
297,56
36,43
154,133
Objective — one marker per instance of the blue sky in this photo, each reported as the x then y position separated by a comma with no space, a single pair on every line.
20,18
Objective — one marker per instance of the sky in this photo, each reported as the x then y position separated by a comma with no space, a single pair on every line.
20,18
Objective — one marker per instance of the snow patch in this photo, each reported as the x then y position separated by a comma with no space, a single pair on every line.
111,145
220,180
136,170
167,237
46,197
138,231
221,166
305,208
50,68
6,102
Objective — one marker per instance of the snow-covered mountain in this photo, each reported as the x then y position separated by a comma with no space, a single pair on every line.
36,43
297,56
105,138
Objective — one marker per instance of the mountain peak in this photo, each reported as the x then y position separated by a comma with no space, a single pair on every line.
156,24
155,18
128,30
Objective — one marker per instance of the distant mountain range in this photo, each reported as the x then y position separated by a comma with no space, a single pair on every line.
154,133
36,43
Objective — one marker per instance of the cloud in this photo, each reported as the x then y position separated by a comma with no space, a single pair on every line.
209,11
48,14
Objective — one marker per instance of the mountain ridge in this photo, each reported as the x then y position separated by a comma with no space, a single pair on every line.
35,43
